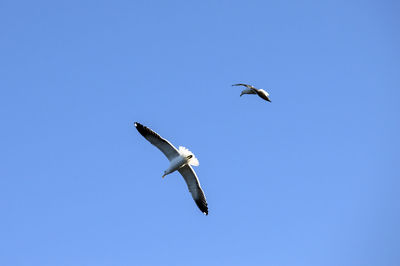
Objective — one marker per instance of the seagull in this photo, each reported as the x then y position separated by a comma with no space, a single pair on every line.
180,160
251,90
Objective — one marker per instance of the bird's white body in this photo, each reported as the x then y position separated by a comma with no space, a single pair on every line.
175,164
263,92
185,157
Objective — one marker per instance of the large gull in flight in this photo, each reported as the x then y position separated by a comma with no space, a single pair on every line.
180,160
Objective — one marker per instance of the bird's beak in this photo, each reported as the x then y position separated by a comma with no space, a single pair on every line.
163,175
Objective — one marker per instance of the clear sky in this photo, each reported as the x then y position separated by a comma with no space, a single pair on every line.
310,179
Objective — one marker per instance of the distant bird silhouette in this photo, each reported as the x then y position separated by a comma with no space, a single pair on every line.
252,90
179,160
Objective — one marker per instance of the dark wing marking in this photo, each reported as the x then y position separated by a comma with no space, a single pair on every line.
162,144
194,187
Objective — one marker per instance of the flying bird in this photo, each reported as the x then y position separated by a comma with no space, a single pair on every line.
251,90
180,160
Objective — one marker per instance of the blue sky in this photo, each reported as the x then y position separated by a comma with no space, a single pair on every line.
309,179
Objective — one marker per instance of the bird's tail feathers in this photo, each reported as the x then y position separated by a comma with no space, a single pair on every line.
185,152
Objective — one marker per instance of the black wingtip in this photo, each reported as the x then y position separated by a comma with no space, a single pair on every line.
145,131
142,129
137,124
202,204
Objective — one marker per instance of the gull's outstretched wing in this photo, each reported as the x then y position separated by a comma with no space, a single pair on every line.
247,91
162,144
194,187
246,85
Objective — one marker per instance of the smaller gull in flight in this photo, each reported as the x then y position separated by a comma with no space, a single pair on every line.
251,90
